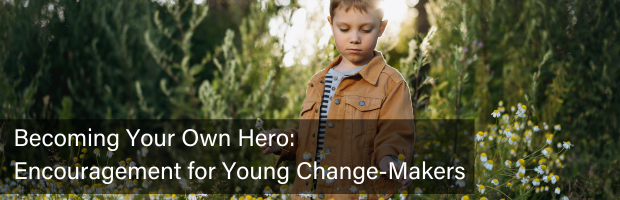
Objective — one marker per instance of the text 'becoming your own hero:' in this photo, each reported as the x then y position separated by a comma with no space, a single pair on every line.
190,138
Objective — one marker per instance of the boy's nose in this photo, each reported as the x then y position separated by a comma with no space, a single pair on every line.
354,39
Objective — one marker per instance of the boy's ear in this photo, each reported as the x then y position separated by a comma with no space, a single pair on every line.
382,28
329,19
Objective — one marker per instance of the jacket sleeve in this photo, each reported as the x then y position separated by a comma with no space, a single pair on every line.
395,127
288,152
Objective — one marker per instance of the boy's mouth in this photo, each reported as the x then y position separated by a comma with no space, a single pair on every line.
354,50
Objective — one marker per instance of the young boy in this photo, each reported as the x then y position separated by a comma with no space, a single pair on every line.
357,112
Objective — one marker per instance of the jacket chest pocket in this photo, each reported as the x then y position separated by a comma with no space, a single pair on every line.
306,118
360,107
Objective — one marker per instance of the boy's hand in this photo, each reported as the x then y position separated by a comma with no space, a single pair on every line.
274,144
384,165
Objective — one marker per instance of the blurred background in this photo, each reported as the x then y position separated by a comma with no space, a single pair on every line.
243,59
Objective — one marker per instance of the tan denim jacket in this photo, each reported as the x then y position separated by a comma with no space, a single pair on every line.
379,95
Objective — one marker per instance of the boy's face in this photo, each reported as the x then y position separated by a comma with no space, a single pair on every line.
356,33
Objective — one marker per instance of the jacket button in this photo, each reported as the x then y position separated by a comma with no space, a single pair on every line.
316,110
335,78
306,183
327,150
331,124
321,196
362,103
337,101
333,88
313,135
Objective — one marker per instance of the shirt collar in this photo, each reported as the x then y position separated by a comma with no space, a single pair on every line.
370,72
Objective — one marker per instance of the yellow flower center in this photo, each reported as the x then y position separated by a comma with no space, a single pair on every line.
521,161
480,133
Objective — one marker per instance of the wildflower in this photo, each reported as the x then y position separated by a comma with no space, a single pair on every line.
322,154
567,145
307,155
480,188
403,194
460,183
489,165
267,191
283,189
97,152
75,159
557,190
547,151
483,198
509,185
559,145
513,140
525,180
109,154
144,151
12,162
529,122
495,182
132,164
418,191
521,162
305,194
501,103
508,163
466,197
540,169
546,188
536,182
495,114
536,129
259,123
557,127
554,179
353,189
483,157
121,163
522,169
81,156
520,175
505,117
363,194
545,179
537,189
479,136
512,108
564,198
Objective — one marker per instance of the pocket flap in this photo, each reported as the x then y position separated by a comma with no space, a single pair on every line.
308,105
363,103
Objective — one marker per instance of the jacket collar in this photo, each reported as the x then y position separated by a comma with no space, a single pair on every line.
370,73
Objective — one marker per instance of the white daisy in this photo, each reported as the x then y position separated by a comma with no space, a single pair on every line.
508,163
557,127
479,136
495,114
536,129
536,182
567,145
495,182
557,190
483,157
353,189
418,191
489,165
307,155
480,188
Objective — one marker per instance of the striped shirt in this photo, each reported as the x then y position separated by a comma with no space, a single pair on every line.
332,79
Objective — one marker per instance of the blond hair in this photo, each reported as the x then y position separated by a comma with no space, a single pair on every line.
360,5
